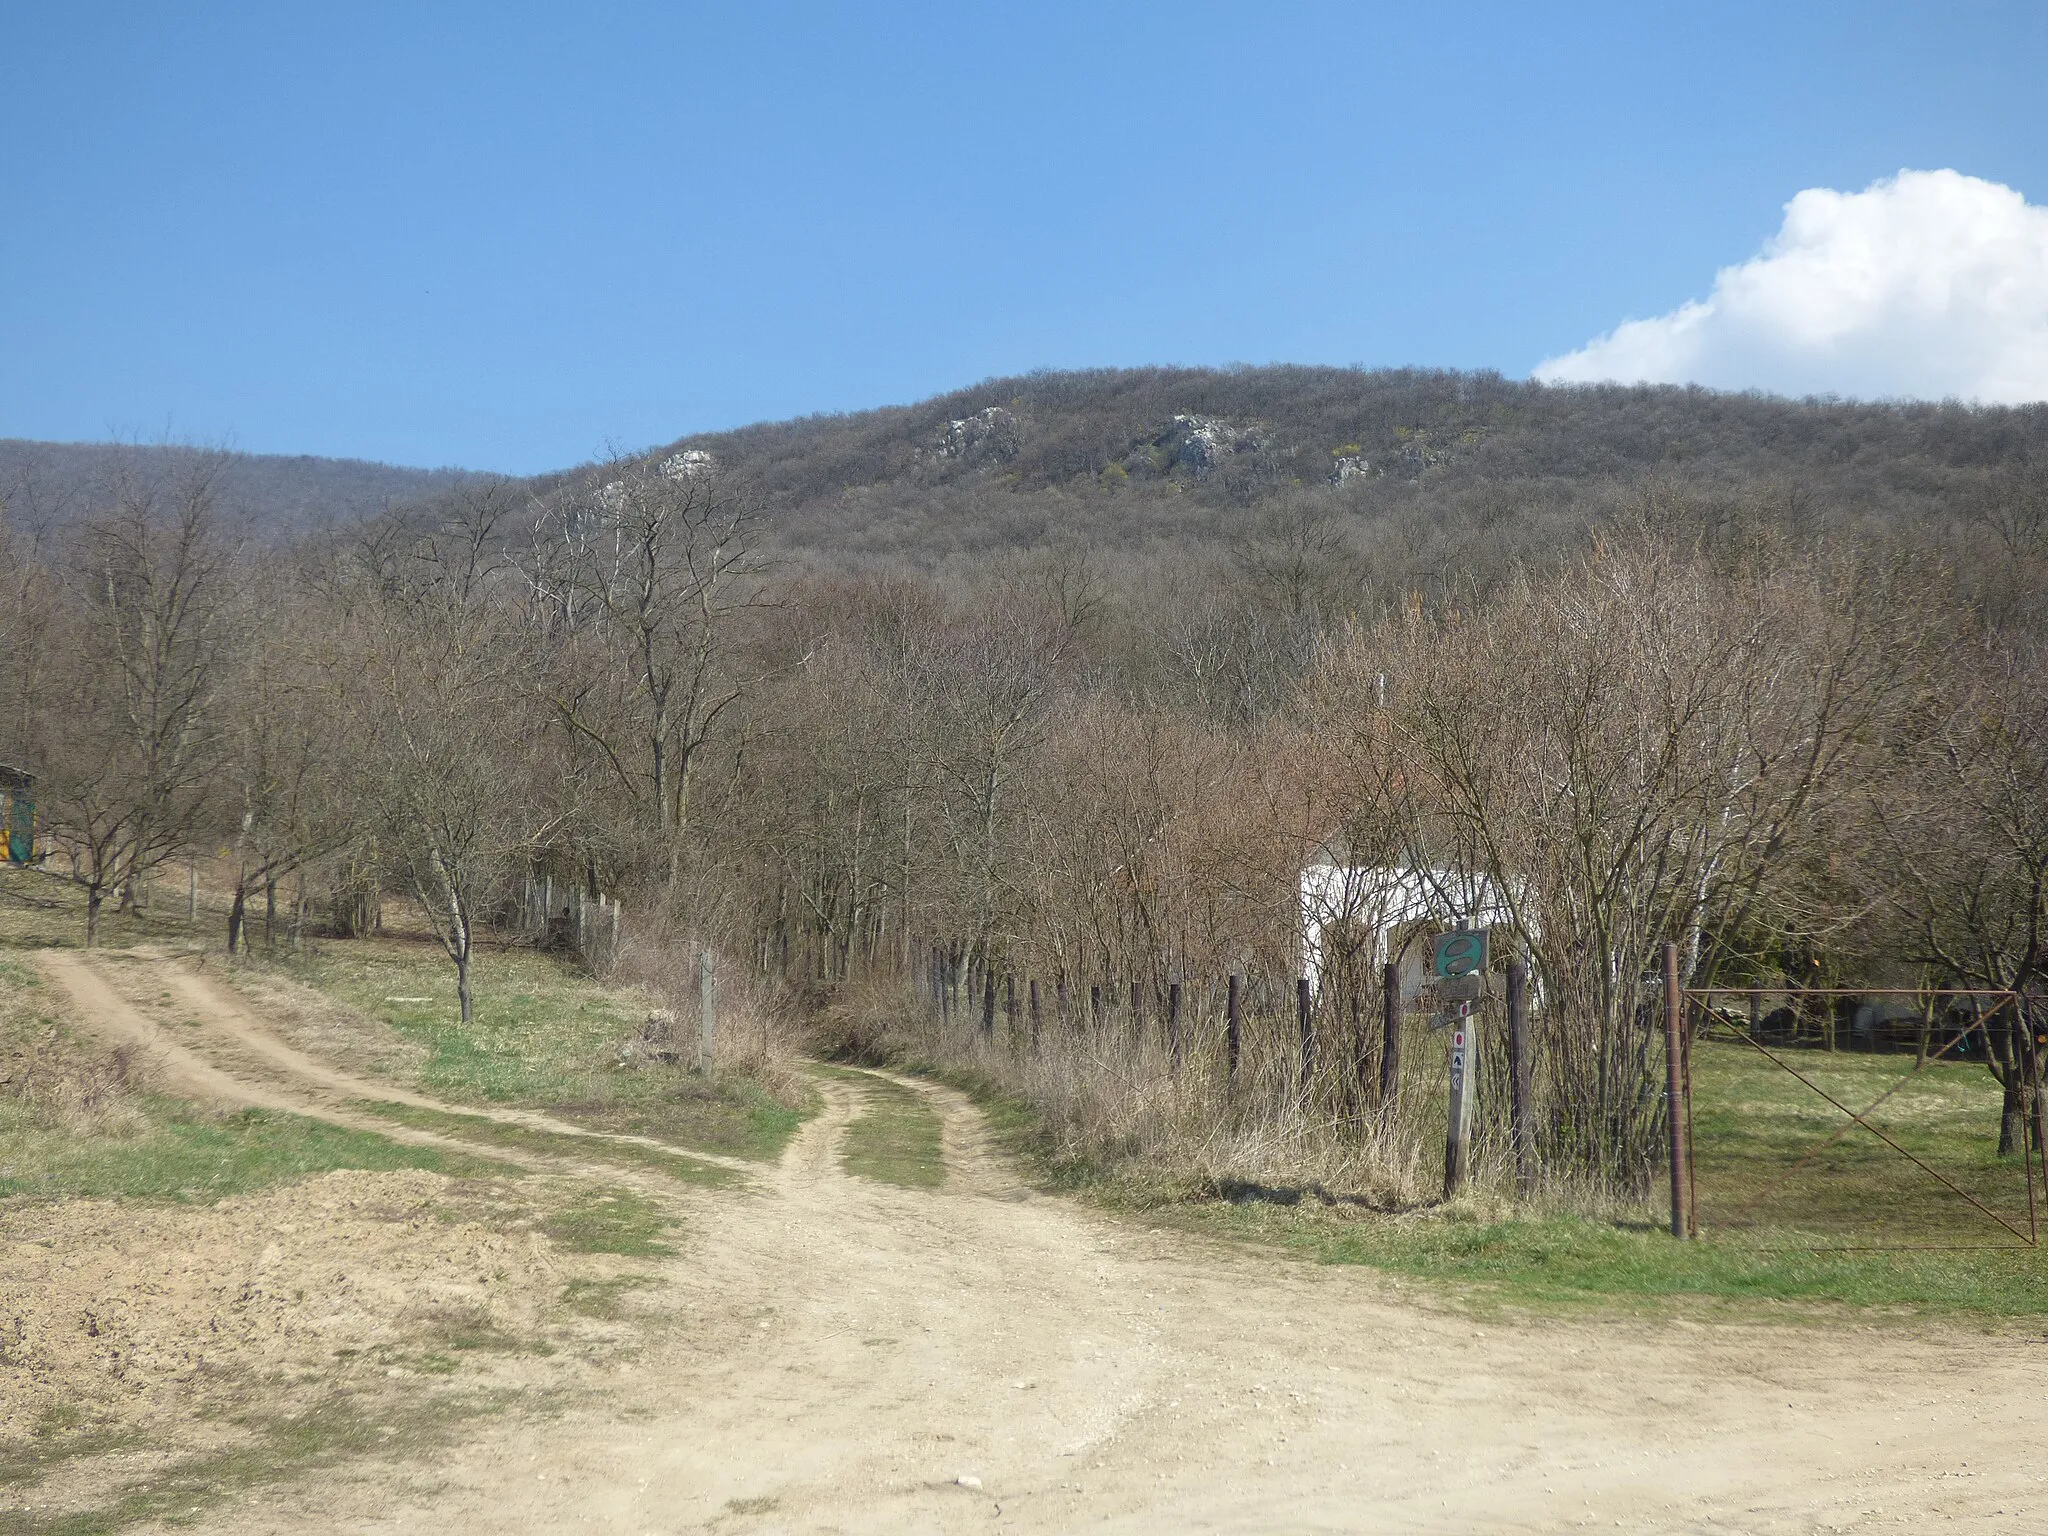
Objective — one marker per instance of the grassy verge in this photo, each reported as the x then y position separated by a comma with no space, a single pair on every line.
170,1151
611,1221
1560,1262
74,1124
40,910
544,1035
896,1138
676,1165
275,1447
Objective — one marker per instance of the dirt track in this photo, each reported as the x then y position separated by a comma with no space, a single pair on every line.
850,1350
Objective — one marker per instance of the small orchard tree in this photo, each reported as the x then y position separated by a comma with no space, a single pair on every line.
1961,854
443,720
130,733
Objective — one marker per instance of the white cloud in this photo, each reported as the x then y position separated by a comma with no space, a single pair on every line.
1930,284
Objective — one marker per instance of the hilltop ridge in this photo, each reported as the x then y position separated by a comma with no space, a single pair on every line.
1430,464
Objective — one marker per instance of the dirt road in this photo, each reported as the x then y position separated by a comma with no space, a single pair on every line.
858,1358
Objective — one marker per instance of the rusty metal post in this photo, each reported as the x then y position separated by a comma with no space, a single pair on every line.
1520,1129
1233,1024
1390,1040
1674,1096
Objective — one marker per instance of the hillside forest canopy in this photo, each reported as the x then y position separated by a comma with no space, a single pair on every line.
1067,677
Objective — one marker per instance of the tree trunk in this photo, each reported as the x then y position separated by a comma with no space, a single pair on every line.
462,996
94,896
2001,1048
2011,1118
237,911
270,915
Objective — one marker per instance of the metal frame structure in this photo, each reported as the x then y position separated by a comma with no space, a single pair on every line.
1682,1004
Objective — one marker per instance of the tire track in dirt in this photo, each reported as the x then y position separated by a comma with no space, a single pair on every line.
271,1074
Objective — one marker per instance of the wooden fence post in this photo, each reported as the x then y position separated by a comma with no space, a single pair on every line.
1173,1043
1010,1010
1233,1024
1521,1132
1674,1096
1305,1018
707,1010
1390,1040
988,1001
1037,1018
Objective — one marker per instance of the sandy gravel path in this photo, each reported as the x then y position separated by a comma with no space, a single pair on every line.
859,1348
851,1357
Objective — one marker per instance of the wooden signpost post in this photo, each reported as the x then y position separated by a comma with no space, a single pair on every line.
1458,1138
1459,964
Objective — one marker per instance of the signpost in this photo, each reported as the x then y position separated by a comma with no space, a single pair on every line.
1458,964
1458,1139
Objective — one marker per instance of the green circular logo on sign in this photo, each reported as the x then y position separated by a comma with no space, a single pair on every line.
1460,954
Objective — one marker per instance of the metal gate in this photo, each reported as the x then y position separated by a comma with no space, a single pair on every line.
1794,1142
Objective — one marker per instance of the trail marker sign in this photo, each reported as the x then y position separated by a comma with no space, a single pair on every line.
1463,953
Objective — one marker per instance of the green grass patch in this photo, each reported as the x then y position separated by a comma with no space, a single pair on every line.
612,1221
44,910
521,1138
603,1299
1561,1261
182,1154
896,1137
61,1437
278,1448
1775,1163
1748,1132
545,1036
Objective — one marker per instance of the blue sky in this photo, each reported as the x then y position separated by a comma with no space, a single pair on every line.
506,236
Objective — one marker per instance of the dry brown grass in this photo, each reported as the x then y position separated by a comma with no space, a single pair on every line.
1110,1106
55,1079
757,1039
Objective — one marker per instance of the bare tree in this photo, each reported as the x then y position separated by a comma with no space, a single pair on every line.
132,734
1961,851
283,710
1643,752
441,721
644,573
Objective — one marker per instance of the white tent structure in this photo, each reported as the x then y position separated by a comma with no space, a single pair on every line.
1390,912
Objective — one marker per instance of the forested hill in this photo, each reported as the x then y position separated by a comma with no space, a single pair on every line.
1134,457
1421,470
56,483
